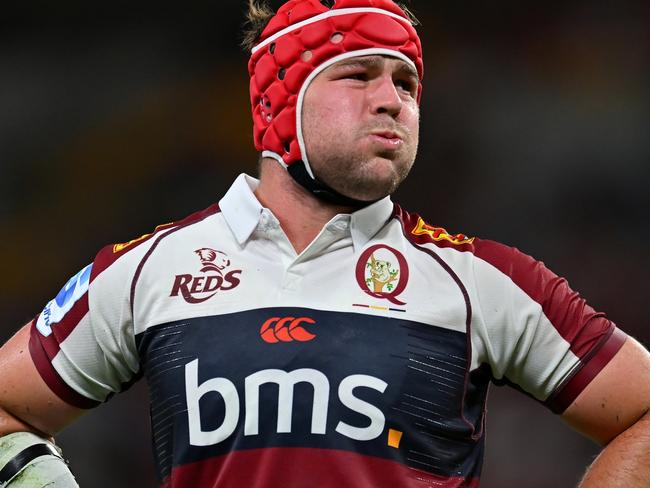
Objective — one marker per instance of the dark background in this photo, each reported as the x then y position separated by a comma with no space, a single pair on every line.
535,117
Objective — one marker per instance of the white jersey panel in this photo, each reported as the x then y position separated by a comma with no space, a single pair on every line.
324,278
99,356
512,334
393,266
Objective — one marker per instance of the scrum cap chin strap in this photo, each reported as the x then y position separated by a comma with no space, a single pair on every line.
301,40
320,189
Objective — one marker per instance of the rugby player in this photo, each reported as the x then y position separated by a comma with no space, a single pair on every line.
306,330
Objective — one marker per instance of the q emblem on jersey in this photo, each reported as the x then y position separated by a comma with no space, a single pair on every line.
382,272
216,277
56,309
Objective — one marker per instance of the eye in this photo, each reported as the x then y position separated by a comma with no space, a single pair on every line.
360,76
406,85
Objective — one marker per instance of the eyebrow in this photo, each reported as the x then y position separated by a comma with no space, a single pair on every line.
375,62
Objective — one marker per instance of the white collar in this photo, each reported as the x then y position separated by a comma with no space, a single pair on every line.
242,212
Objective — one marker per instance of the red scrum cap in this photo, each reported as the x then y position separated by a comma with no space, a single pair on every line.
301,40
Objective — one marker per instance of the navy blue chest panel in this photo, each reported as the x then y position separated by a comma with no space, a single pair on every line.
378,386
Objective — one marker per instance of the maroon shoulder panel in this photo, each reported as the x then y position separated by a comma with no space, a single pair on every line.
419,232
111,253
592,337
579,324
43,349
191,219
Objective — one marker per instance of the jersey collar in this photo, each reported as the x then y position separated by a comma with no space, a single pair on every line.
242,212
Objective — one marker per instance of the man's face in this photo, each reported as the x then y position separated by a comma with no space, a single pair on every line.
360,123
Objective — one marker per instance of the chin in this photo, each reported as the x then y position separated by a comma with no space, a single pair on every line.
372,190
367,177
378,178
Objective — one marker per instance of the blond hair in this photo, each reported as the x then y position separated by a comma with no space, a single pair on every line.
260,13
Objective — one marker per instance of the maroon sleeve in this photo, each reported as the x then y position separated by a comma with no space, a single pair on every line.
43,362
592,337
590,366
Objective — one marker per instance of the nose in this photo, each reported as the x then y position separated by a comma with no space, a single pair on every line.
384,98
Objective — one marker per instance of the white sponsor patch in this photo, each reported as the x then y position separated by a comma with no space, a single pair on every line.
56,309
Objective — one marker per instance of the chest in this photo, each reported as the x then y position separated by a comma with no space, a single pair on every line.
296,377
363,351
383,280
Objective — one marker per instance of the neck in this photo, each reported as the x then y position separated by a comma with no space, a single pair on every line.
301,214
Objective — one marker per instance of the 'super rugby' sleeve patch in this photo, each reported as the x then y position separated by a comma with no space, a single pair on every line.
57,308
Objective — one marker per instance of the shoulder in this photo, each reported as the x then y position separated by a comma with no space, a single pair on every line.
132,252
487,257
420,232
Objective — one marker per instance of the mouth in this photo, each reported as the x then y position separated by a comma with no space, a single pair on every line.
387,138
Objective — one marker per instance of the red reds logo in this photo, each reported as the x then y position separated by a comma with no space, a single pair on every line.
198,289
212,260
286,329
379,276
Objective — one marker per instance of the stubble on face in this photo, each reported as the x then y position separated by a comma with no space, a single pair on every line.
341,162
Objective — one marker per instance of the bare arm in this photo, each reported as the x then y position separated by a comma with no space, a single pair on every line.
26,402
614,411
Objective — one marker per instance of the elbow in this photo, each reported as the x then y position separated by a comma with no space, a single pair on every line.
10,423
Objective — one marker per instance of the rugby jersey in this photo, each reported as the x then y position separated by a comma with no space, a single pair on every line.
363,361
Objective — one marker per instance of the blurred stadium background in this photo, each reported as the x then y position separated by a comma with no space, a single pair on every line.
116,117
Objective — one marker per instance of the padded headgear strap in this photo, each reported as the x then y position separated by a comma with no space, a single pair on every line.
281,71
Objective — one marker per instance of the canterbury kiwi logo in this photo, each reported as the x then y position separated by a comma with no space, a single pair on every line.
286,329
